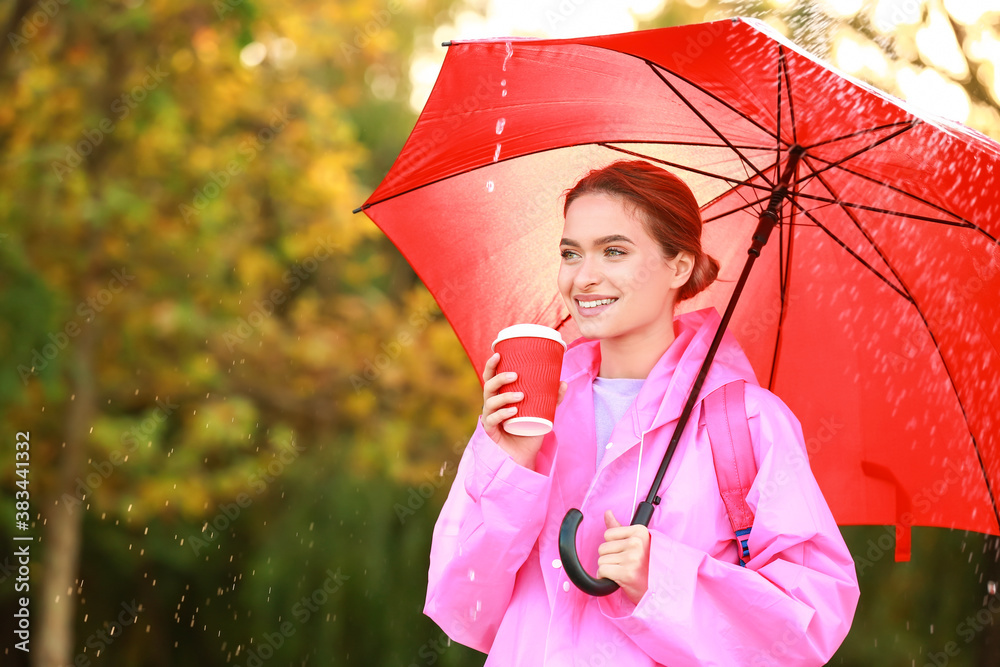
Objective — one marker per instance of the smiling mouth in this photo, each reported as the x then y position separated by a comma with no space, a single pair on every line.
595,303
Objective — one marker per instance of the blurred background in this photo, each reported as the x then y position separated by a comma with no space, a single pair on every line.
244,410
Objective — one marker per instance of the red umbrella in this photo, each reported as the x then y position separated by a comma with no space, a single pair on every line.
873,313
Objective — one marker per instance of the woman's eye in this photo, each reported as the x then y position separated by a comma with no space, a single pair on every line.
614,252
568,254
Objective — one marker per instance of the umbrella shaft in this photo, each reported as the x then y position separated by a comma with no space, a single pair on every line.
766,222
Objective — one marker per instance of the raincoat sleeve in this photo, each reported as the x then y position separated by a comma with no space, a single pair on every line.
792,604
487,528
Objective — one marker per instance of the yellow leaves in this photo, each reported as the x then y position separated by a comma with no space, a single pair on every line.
206,45
6,115
201,158
165,317
182,60
255,266
316,239
357,404
218,424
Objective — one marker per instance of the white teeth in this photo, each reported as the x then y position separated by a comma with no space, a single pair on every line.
595,304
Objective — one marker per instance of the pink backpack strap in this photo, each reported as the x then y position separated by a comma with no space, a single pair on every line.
732,451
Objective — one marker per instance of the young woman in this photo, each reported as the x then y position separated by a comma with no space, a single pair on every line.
631,250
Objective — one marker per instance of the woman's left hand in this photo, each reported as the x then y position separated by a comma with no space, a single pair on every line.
624,557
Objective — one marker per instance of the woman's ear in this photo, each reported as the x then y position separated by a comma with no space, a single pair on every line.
683,266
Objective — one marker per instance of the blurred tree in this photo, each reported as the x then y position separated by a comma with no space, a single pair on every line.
186,295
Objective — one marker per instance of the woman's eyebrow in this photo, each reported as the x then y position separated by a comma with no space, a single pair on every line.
604,240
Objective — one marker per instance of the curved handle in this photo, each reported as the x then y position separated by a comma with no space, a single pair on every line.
571,562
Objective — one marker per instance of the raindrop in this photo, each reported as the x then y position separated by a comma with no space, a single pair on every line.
489,188
500,124
510,52
472,575
496,153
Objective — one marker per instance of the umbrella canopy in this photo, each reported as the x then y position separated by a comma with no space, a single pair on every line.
874,310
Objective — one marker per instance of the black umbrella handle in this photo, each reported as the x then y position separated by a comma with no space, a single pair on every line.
571,561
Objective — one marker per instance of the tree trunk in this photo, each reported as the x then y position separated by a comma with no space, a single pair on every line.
64,525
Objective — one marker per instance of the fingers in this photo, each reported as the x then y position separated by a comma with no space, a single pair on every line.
494,403
492,381
624,557
562,392
621,544
491,367
493,419
496,406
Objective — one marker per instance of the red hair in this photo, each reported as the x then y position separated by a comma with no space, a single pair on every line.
666,207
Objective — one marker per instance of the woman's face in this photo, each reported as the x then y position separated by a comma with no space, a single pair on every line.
614,277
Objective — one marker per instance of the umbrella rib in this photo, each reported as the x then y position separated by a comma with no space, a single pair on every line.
695,144
966,223
788,88
851,252
676,165
937,347
701,116
749,119
603,144
744,207
876,209
845,207
777,144
856,153
868,130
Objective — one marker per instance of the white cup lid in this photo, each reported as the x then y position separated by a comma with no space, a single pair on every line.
529,331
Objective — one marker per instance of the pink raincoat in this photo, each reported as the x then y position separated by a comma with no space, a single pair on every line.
496,582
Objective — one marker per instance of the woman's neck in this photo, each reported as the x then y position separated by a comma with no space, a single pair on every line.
635,355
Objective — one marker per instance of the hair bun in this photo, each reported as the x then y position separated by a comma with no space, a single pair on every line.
706,270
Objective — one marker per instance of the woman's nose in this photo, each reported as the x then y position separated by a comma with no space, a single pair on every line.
588,273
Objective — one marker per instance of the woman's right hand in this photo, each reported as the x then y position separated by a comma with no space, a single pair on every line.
499,406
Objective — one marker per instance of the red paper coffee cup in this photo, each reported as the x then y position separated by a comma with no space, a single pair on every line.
535,353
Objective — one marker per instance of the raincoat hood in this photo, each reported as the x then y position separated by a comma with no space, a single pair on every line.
693,335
